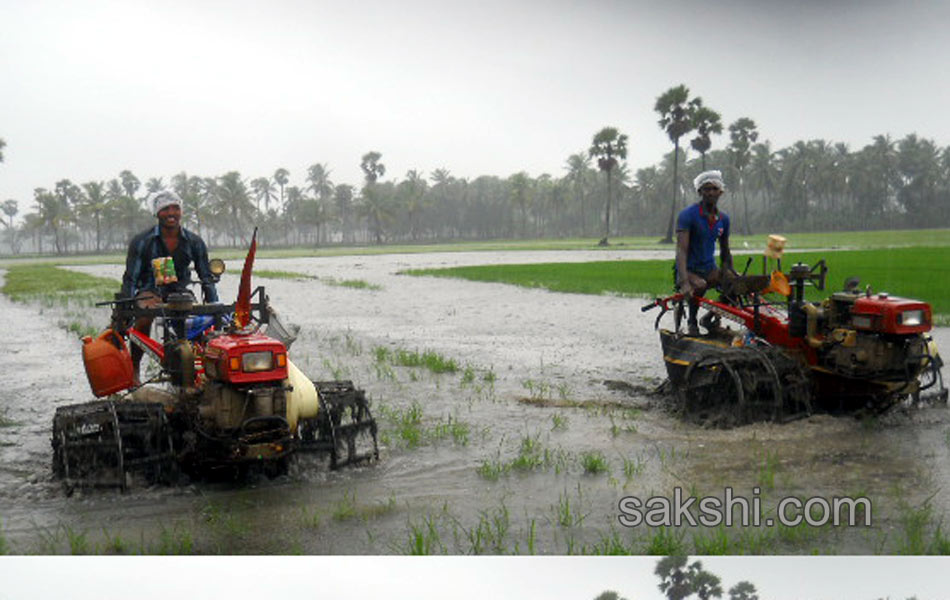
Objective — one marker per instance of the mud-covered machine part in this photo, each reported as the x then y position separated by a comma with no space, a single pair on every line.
110,443
728,387
344,429
106,443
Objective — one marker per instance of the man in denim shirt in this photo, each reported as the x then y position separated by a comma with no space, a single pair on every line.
698,228
166,239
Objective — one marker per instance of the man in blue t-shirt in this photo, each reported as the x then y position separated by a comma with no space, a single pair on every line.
698,227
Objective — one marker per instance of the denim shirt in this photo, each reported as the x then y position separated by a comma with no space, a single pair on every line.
149,244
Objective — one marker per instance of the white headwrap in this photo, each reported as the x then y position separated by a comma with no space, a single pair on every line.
713,177
163,199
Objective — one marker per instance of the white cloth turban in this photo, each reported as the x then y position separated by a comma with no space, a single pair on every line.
713,177
164,199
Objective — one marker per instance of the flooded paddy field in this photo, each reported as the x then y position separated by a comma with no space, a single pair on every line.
528,446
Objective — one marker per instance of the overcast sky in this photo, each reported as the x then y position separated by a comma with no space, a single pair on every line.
457,578
91,87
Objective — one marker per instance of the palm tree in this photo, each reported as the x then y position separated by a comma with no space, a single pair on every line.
608,145
412,193
706,122
233,203
763,175
154,184
95,204
578,167
743,591
371,167
376,208
520,190
263,190
742,134
10,208
281,178
343,201
131,184
676,120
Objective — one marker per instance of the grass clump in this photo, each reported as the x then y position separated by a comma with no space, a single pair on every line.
594,463
277,274
355,284
428,359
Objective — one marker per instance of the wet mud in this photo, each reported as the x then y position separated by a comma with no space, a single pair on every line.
528,447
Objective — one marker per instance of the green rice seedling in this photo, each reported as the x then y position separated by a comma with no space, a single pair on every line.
336,371
457,430
558,422
594,462
353,346
78,542
611,545
767,469
176,540
566,514
114,544
311,518
537,390
491,531
355,284
664,541
712,541
914,523
530,455
489,377
424,538
468,376
382,354
633,467
564,391
345,508
492,469
277,274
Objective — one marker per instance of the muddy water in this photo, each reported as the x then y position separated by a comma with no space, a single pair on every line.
532,372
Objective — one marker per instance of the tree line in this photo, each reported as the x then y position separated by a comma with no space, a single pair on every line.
813,185
681,579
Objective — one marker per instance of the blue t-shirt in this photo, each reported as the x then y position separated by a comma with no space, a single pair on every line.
702,236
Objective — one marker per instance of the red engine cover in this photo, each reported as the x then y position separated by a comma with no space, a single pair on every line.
225,352
885,314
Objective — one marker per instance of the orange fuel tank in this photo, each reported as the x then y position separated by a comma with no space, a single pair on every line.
108,363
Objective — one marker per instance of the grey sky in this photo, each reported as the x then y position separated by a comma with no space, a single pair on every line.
91,87
458,578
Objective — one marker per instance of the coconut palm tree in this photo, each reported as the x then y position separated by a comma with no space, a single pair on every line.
608,146
519,186
154,184
233,204
131,184
412,195
578,169
674,107
742,134
343,202
263,190
95,205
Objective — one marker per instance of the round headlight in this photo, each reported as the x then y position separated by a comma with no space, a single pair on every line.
216,265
